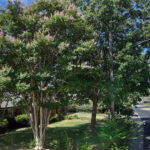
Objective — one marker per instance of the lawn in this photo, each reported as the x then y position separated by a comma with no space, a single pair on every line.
77,130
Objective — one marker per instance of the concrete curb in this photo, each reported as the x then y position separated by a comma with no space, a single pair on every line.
139,142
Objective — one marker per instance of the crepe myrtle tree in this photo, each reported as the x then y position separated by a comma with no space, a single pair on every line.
37,42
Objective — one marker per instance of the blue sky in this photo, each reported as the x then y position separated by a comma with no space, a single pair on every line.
3,3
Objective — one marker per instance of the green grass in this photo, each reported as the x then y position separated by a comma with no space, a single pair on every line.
77,130
87,116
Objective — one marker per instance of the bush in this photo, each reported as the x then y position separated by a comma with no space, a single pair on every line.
22,120
84,147
72,117
54,118
116,134
4,123
78,108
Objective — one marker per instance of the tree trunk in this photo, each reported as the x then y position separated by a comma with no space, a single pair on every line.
39,119
39,127
93,117
112,110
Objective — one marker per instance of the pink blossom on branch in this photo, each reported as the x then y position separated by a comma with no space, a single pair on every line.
61,13
46,18
71,17
12,39
49,36
28,44
1,34
72,7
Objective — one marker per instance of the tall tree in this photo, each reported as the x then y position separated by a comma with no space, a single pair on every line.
122,28
86,78
37,42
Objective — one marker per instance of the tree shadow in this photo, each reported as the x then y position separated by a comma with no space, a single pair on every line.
23,139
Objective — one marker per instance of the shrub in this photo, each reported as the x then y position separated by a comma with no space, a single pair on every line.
57,117
78,108
116,134
4,123
54,118
84,147
22,120
72,117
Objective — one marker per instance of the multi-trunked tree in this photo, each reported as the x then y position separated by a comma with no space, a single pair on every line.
38,43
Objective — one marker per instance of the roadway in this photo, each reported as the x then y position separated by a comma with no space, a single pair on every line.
143,110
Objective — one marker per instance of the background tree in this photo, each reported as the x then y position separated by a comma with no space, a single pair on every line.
121,27
85,79
37,42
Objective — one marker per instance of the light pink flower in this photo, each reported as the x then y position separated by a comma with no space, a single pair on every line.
72,7
61,13
28,44
49,36
1,34
45,18
71,17
11,39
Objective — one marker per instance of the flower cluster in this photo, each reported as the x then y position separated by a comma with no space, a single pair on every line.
71,17
11,39
28,44
49,37
46,18
72,7
1,34
61,13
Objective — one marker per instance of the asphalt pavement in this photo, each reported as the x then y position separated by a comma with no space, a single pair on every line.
144,115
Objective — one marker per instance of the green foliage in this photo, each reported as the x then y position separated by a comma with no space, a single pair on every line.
71,117
128,23
22,119
31,144
79,108
54,118
41,43
4,77
4,123
116,134
84,147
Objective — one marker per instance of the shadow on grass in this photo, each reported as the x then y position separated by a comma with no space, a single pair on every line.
23,139
16,140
